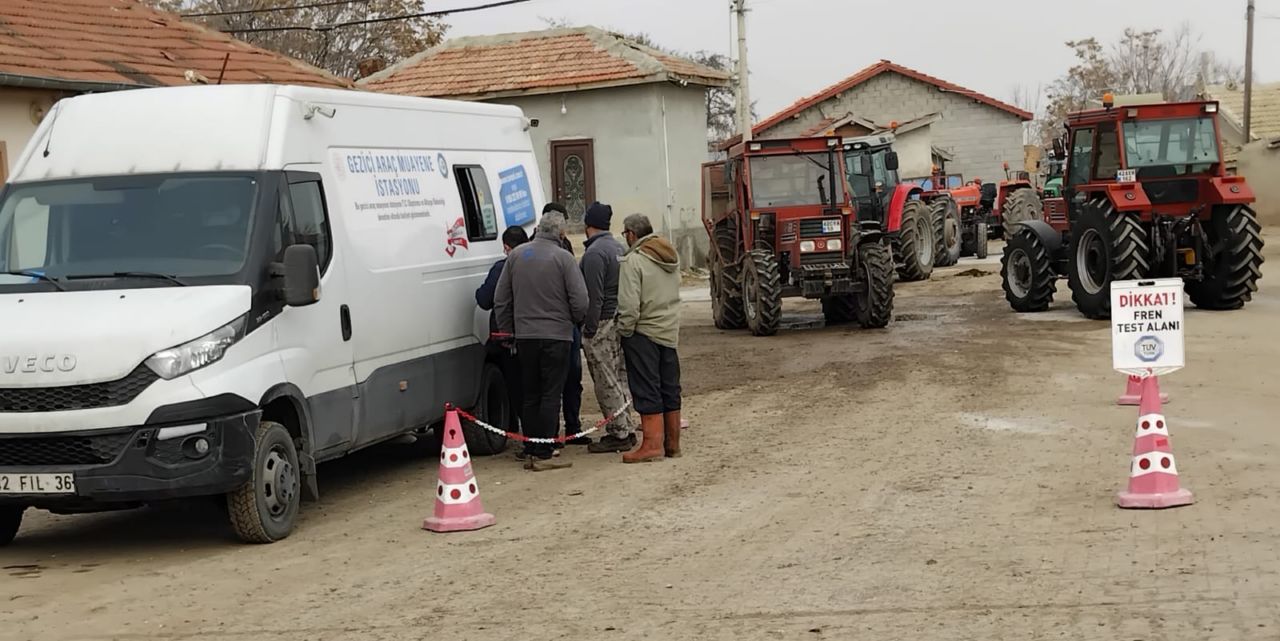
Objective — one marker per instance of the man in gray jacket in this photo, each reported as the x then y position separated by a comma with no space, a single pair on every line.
601,343
541,297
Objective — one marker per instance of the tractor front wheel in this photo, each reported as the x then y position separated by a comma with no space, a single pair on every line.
1026,272
726,301
874,304
916,243
946,228
1021,206
1234,263
1106,246
980,246
762,293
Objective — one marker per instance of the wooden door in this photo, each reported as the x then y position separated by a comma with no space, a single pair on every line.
573,176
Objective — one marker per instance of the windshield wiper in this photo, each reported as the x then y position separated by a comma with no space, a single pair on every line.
38,276
153,275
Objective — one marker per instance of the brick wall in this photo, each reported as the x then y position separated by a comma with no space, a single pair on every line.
980,137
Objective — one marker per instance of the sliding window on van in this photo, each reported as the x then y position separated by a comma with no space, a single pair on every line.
477,203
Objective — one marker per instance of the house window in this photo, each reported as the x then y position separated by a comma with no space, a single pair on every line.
477,203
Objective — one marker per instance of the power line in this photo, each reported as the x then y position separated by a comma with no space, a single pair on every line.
241,12
353,23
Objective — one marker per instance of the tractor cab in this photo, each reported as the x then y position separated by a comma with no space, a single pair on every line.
871,167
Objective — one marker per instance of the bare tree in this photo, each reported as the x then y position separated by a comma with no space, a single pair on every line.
340,50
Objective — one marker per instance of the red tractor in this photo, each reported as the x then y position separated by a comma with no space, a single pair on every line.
986,208
915,219
781,223
1144,195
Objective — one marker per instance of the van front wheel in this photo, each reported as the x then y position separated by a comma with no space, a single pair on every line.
10,521
263,509
494,408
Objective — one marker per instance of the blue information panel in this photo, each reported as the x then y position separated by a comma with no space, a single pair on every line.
517,202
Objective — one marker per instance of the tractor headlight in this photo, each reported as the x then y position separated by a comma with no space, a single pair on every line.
189,357
835,245
807,246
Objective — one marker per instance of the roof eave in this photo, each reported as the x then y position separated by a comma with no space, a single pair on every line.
543,91
62,84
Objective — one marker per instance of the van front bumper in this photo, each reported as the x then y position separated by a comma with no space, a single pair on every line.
134,465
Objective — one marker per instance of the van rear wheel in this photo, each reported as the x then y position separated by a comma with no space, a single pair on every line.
494,408
264,509
10,521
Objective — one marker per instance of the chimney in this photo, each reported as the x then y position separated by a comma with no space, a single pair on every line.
369,66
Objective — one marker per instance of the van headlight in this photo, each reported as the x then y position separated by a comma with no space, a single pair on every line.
189,357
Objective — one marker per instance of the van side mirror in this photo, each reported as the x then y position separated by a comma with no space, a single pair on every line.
298,276
891,161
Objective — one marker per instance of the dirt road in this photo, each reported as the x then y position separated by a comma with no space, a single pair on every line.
950,477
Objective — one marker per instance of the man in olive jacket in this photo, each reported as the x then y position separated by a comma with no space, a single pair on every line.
649,323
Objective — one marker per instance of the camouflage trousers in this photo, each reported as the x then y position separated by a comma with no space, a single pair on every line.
609,375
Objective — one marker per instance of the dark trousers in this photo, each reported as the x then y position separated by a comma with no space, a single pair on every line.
510,366
572,397
653,374
543,367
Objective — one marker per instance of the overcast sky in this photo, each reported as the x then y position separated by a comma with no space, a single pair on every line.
800,46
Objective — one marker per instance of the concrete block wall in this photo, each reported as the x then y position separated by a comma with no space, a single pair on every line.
980,137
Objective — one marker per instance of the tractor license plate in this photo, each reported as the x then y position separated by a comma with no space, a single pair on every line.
1127,175
831,226
37,484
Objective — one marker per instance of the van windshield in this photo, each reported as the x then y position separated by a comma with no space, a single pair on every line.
176,225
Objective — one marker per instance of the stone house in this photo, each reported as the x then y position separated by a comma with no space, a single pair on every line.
51,50
937,122
618,122
1257,159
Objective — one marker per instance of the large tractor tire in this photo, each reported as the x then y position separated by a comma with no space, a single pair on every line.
980,248
494,408
1026,272
916,242
946,229
762,293
1105,246
726,297
1019,207
874,305
1234,265
263,510
10,522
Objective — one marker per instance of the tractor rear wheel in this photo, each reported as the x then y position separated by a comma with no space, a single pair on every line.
1026,272
1234,265
1106,246
726,297
874,305
762,293
980,248
916,242
946,229
1019,207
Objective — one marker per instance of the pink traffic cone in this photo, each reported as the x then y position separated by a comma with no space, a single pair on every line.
1153,474
1133,392
458,505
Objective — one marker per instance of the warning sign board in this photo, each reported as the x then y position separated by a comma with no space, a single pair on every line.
1147,326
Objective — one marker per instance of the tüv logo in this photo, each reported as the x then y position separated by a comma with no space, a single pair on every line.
1149,349
443,165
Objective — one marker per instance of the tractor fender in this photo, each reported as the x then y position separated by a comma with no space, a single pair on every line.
901,194
869,232
1230,190
1050,237
1128,197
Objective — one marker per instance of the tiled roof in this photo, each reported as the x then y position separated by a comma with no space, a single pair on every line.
536,62
96,44
1264,121
884,66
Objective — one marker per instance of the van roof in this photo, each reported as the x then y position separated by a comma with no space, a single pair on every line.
202,128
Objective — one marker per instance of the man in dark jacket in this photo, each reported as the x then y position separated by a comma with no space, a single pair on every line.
601,343
500,348
572,397
541,297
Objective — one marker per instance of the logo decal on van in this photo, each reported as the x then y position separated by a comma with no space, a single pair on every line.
457,237
442,165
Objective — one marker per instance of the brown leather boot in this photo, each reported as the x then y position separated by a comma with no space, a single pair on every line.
651,447
671,423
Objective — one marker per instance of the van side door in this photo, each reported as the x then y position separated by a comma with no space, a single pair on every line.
315,341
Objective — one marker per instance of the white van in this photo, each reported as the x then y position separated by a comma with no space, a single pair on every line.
209,290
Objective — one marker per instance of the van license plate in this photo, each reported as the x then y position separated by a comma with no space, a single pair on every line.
37,484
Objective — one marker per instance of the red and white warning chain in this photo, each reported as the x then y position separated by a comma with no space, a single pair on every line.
559,439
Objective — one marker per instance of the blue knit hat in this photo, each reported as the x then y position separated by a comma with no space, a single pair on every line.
598,216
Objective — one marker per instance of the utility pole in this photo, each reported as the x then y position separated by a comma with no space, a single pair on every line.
1248,71
744,92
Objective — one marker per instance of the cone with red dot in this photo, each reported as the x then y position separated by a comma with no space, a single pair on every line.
1133,392
1153,473
458,505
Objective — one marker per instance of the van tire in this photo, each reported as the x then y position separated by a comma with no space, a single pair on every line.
492,407
264,509
10,521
